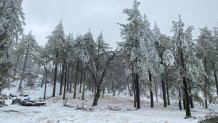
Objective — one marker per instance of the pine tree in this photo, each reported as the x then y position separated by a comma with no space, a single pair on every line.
132,33
11,22
55,41
31,50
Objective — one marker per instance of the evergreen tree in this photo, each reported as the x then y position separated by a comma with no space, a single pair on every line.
132,33
55,43
11,22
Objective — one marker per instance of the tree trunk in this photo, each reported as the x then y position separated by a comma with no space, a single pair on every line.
71,76
84,89
185,86
62,76
103,91
55,75
97,95
151,93
164,92
191,102
137,89
155,86
180,102
184,102
205,92
65,82
15,69
168,95
133,87
187,107
215,77
24,67
68,77
81,82
75,83
191,97
46,75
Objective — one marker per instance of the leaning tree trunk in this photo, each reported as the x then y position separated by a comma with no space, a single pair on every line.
151,93
55,76
97,95
24,67
15,69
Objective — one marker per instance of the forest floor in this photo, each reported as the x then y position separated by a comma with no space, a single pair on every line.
110,109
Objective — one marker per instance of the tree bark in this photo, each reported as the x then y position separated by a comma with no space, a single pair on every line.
155,86
151,93
138,106
46,75
75,83
65,82
205,92
71,76
180,102
24,67
84,89
133,87
164,92
215,77
185,86
81,82
168,95
187,107
97,95
68,77
62,76
55,75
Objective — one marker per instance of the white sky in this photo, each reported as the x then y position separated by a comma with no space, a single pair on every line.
79,15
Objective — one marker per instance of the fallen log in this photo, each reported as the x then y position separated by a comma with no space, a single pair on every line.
27,103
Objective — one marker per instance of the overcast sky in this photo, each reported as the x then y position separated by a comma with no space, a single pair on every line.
41,16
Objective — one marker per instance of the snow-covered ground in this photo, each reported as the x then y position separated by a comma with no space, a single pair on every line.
55,111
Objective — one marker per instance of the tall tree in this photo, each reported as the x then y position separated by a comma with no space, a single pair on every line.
132,33
55,41
188,65
207,52
11,22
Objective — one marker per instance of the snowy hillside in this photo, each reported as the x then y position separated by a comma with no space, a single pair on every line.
118,109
